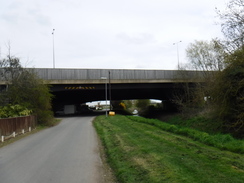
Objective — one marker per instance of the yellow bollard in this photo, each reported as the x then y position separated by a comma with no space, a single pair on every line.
111,113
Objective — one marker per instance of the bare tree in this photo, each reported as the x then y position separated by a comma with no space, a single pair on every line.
10,67
206,55
232,24
209,58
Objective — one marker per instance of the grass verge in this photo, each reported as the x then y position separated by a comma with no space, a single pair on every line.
221,141
143,152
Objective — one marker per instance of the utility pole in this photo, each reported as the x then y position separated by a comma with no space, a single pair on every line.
53,50
178,53
106,91
109,81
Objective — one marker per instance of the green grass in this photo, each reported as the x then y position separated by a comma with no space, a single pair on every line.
144,153
221,141
199,123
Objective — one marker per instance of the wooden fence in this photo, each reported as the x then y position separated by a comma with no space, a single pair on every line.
17,125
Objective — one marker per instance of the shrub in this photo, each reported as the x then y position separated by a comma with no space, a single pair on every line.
14,111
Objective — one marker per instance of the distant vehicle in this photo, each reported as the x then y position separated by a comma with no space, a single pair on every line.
84,109
92,107
69,109
99,108
135,112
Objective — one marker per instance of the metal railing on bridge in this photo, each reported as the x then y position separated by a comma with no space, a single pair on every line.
115,74
59,76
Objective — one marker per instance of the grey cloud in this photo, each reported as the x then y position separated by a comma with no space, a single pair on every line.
39,17
19,13
140,38
9,12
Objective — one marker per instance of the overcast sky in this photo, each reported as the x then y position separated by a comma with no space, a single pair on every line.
118,34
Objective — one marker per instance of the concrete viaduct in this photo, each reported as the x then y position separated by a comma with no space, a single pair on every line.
74,86
85,85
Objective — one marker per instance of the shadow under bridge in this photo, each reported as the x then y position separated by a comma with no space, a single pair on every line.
81,93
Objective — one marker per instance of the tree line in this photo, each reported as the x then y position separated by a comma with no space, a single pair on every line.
220,95
24,93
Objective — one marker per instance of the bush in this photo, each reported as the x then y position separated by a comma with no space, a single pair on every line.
14,111
228,95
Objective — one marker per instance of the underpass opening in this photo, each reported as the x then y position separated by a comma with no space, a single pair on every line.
77,95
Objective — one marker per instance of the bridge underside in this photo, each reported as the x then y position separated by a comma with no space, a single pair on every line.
81,93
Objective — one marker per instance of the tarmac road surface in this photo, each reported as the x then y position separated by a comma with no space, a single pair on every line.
66,153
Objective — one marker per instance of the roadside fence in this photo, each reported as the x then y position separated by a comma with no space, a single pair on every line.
11,127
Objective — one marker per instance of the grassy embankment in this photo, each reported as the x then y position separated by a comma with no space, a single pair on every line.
142,150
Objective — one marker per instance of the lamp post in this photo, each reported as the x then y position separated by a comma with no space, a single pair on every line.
106,98
110,92
178,53
53,50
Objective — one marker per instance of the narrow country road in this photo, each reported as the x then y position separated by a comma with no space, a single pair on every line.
66,153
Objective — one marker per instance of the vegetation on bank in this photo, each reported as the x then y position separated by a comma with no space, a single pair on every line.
139,150
8,111
218,92
221,141
199,123
25,93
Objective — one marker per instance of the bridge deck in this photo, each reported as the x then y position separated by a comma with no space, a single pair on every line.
76,76
63,76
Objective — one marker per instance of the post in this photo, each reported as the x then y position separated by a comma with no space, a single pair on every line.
106,95
110,103
53,50
178,58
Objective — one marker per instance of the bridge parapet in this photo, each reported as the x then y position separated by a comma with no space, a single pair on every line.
64,76
56,76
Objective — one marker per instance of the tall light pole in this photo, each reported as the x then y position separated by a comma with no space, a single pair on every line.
106,96
178,53
53,50
110,92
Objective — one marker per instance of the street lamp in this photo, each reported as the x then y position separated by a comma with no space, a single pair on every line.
178,53
53,50
106,98
110,92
